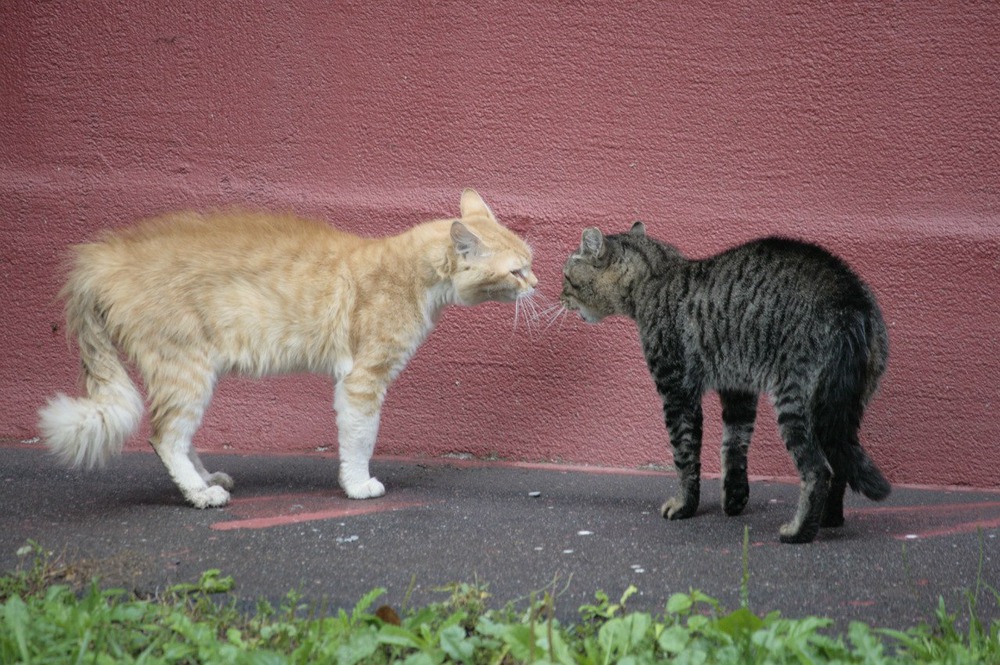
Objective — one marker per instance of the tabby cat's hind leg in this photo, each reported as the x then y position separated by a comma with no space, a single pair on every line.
739,410
812,465
833,511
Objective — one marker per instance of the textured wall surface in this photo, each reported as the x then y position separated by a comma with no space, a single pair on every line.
870,128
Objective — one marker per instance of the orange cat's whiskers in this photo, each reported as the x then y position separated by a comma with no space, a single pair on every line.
529,306
524,311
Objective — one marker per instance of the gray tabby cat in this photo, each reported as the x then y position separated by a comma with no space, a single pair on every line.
773,315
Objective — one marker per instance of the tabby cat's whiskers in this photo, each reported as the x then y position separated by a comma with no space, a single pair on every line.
553,313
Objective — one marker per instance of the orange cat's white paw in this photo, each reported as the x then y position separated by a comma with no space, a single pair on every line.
369,489
210,497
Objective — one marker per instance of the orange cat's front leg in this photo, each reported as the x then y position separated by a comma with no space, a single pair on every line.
358,402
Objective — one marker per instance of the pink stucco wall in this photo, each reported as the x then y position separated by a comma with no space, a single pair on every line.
871,128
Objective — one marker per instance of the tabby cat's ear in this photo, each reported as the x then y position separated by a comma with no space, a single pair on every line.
472,204
592,243
638,229
466,242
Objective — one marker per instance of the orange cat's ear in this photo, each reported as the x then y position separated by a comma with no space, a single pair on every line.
592,242
466,242
473,205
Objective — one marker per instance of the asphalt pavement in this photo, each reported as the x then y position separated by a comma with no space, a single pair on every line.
515,528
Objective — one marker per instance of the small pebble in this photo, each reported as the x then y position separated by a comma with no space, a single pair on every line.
585,533
534,495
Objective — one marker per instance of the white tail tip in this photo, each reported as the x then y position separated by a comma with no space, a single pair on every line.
86,432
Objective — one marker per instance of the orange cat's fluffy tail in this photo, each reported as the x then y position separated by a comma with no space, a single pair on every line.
87,431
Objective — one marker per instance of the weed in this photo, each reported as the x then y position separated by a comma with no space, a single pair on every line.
36,570
44,620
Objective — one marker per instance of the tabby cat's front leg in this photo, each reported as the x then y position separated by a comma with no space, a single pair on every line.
359,404
684,419
739,410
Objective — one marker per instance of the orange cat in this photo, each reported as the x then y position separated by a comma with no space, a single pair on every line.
188,298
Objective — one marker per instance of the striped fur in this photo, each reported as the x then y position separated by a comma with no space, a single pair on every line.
774,316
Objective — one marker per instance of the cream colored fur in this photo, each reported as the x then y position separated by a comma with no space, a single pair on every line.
187,298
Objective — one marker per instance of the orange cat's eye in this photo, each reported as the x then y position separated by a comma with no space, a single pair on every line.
519,273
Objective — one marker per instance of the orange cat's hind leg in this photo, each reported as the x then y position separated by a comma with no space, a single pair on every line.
171,440
219,478
178,395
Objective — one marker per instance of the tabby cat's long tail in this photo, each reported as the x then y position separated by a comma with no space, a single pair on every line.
847,385
87,431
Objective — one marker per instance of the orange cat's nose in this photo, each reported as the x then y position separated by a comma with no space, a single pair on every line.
532,280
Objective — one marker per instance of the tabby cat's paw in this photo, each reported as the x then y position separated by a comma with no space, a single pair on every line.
369,489
209,497
677,509
223,480
735,497
795,533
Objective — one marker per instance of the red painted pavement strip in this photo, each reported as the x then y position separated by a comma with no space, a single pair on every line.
934,508
942,510
263,512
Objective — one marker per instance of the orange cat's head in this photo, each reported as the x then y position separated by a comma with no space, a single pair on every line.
491,262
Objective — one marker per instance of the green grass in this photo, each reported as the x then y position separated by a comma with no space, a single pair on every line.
43,619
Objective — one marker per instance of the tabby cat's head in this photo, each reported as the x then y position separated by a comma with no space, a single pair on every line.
595,274
491,262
